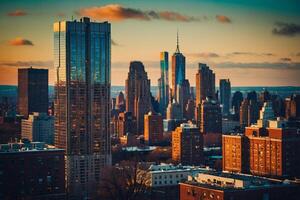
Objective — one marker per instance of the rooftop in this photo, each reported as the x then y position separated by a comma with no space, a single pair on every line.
163,167
26,146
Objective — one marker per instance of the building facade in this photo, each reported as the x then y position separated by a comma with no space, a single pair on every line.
82,59
32,91
39,127
32,171
164,82
153,130
138,97
187,145
225,95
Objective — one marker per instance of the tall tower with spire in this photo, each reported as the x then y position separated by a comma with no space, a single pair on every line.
178,69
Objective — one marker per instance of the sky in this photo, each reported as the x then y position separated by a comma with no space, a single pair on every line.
253,43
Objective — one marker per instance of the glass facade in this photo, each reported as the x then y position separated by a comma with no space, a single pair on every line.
164,81
82,105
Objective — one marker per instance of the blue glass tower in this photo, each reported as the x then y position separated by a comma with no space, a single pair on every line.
163,82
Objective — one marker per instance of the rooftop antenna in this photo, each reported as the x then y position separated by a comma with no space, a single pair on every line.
177,47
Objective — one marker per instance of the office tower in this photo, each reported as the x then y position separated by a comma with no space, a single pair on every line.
265,96
32,171
187,145
225,95
292,107
278,106
126,124
190,110
237,99
210,118
138,97
153,130
205,83
178,69
174,111
252,96
32,91
164,82
120,102
82,61
39,127
235,152
249,112
183,95
265,114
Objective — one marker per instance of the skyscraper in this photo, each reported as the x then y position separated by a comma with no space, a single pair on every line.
205,85
138,100
164,81
236,104
249,112
82,52
225,95
32,91
178,69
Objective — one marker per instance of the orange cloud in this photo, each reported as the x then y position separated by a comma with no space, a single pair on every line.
116,12
17,13
223,19
20,42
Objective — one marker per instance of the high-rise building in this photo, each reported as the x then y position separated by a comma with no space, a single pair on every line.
174,110
235,150
153,131
164,82
237,99
249,113
39,127
205,83
32,170
126,123
292,107
187,145
32,91
178,69
183,95
82,59
266,113
225,95
138,97
210,121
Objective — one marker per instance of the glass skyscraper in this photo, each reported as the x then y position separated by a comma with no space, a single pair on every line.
178,70
163,82
82,59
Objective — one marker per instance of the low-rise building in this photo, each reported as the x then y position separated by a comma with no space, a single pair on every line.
229,186
31,170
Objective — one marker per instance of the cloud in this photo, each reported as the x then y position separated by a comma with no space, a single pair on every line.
241,53
286,29
285,59
262,65
116,12
20,42
223,19
46,64
204,55
17,13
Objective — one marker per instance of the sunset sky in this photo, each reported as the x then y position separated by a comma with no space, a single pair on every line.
253,43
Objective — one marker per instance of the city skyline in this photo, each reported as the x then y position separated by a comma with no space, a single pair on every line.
225,35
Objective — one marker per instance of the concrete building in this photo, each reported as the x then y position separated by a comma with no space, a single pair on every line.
187,145
39,127
32,91
32,171
137,89
229,125
249,113
174,111
82,61
126,123
235,152
210,122
153,132
228,186
266,113
225,95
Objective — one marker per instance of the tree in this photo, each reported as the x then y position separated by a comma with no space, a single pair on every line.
126,181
